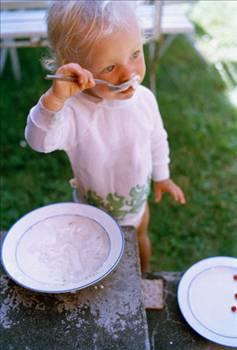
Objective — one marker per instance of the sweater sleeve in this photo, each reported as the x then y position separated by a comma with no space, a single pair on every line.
159,147
47,131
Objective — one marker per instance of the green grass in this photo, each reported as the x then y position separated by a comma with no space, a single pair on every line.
202,128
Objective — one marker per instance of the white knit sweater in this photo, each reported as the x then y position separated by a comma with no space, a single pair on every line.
115,148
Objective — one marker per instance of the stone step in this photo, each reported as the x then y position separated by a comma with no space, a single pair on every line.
153,293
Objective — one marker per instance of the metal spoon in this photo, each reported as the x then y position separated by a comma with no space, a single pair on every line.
115,88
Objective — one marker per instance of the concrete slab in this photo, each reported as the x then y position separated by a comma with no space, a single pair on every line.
107,316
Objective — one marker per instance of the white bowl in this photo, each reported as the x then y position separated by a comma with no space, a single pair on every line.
62,247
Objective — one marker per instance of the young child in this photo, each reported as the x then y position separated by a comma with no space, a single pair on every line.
115,141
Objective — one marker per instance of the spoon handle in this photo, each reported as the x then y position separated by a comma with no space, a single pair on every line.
112,87
71,78
60,77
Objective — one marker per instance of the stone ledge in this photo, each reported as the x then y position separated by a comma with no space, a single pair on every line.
153,293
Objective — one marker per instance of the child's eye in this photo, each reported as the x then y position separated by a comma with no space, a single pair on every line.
136,54
108,69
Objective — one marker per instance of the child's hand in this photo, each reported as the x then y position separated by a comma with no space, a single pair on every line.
61,90
161,187
65,89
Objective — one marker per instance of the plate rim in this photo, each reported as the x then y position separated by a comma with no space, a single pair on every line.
188,276
61,204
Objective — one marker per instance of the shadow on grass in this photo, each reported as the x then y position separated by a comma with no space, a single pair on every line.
28,179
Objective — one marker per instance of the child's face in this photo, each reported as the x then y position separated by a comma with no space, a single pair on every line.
116,58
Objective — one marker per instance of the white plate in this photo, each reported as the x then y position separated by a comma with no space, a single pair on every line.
206,294
62,247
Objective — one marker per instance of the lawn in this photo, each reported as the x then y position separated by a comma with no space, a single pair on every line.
196,99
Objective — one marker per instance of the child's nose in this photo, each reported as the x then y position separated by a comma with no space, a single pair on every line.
126,73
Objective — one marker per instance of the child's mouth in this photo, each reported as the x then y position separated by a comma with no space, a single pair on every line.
129,89
130,84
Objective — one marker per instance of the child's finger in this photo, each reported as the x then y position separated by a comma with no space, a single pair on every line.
158,196
182,199
179,196
81,79
89,79
72,69
85,80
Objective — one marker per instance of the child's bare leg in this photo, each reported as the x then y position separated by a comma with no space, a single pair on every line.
144,241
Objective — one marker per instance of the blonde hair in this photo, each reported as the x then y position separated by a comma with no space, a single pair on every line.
74,26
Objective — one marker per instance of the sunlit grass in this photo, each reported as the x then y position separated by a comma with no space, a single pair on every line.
198,103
